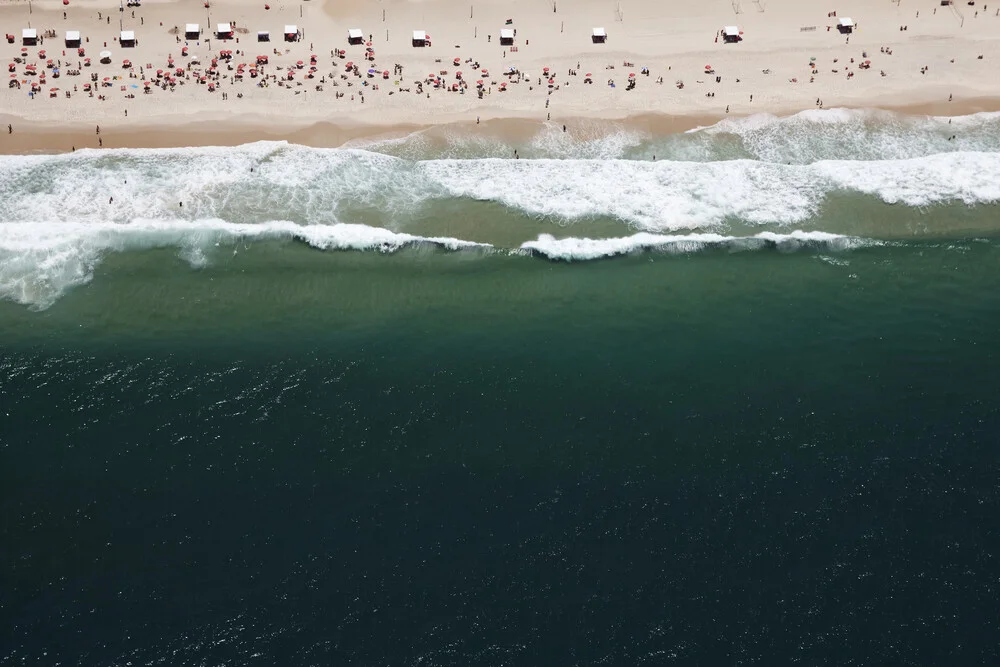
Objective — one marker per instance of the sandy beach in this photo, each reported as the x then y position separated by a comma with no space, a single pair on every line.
663,64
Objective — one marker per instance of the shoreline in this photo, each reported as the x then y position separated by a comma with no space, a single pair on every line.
39,137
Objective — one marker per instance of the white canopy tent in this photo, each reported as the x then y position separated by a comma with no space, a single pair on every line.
355,36
263,36
29,36
127,38
419,38
192,31
599,36
506,36
291,33
845,24
223,30
731,33
73,38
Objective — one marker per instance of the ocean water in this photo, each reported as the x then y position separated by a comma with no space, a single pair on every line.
415,402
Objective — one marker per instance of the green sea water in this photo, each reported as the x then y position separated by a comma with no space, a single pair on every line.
435,458
723,397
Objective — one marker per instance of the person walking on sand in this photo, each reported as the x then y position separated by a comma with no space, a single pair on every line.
10,129
98,130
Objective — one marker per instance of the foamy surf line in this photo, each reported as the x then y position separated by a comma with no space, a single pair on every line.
259,183
575,249
39,262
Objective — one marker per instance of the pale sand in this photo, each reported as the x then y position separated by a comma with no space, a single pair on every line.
674,40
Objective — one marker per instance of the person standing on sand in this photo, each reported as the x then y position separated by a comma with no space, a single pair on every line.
10,129
98,130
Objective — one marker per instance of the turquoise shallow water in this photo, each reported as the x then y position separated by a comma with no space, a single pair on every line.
436,458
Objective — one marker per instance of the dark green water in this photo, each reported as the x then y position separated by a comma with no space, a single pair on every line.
306,458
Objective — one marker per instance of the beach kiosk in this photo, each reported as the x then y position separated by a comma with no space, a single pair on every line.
73,39
127,38
506,37
845,25
599,36
355,36
419,38
263,36
291,33
224,31
731,34
192,31
29,37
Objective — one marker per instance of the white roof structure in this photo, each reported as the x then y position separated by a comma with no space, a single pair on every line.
291,30
419,35
263,33
72,35
223,28
847,22
29,33
127,36
506,33
191,27
731,31
355,33
600,32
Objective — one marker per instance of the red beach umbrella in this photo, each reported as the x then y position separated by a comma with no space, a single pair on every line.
479,83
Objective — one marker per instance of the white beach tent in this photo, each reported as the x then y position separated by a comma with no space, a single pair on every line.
29,36
291,33
731,33
599,36
127,38
845,24
263,36
223,31
72,39
419,38
355,36
192,31
506,36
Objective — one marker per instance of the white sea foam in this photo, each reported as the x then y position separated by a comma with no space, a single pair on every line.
326,186
40,261
240,192
665,196
851,134
575,249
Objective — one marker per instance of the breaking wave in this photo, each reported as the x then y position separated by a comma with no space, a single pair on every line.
260,182
40,262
